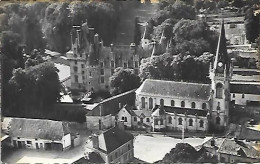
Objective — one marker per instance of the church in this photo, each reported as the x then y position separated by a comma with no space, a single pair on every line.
171,105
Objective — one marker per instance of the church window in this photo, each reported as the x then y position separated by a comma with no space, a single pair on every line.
156,121
193,105
150,103
172,103
218,120
201,123
161,102
234,95
182,104
143,102
147,120
125,119
161,121
219,90
204,105
136,64
243,96
135,119
190,122
169,120
180,121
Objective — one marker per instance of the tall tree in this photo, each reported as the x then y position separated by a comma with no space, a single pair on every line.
251,25
123,80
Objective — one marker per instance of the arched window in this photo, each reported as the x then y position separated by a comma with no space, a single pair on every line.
172,103
169,120
150,103
193,105
143,102
182,104
201,123
217,120
180,121
190,122
156,121
125,119
219,90
161,120
204,105
161,102
147,120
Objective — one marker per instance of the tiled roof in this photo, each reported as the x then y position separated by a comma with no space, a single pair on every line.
111,105
238,148
175,89
245,88
188,111
114,138
38,129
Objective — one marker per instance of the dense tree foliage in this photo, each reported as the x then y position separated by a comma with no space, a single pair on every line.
199,39
178,67
123,80
185,153
36,88
252,25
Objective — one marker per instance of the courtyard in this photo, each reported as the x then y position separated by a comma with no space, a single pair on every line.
154,147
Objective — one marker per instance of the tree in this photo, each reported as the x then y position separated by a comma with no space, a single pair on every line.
123,80
137,32
251,25
176,68
185,153
34,89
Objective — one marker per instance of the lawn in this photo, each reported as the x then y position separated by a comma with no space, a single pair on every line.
154,148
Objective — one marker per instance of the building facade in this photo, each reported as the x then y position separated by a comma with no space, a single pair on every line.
92,63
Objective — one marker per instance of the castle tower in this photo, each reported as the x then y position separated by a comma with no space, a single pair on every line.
220,75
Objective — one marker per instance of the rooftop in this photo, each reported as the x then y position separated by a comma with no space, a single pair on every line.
175,89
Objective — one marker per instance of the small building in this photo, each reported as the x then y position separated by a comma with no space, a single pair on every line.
39,134
103,115
113,145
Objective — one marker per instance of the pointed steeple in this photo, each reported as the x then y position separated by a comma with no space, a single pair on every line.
221,57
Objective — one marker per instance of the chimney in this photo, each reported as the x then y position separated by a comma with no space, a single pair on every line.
91,34
95,141
96,38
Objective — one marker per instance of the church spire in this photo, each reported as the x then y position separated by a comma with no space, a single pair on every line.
221,57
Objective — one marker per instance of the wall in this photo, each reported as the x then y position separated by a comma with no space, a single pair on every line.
243,101
66,141
93,122
167,101
235,159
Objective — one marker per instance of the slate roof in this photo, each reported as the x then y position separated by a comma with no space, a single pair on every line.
175,89
188,111
245,88
38,129
238,148
114,138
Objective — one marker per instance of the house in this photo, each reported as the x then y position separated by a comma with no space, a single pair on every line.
235,151
113,145
231,150
103,115
39,134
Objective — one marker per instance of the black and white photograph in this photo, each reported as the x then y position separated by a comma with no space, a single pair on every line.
130,81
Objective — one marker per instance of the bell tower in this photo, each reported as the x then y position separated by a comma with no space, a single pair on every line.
220,75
